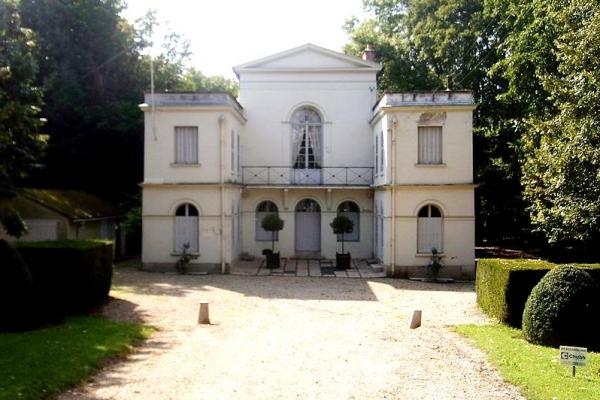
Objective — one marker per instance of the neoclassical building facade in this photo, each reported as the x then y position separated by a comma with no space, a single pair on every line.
309,139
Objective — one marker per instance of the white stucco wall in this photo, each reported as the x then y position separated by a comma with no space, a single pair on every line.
158,222
344,101
159,153
457,145
328,203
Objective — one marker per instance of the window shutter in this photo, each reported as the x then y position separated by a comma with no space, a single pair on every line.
186,231
186,145
430,145
430,235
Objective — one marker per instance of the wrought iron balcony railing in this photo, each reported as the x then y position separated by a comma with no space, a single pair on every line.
324,176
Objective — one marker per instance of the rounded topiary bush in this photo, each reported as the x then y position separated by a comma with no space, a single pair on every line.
562,309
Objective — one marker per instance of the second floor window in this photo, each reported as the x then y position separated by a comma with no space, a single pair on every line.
430,145
186,145
306,136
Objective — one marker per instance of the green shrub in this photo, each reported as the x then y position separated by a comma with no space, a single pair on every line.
18,296
562,309
503,286
71,276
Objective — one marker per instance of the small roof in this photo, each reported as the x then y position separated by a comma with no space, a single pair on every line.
330,60
73,204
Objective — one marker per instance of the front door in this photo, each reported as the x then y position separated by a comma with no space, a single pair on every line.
308,227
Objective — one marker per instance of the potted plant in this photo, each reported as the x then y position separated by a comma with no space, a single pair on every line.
434,266
272,223
342,225
183,264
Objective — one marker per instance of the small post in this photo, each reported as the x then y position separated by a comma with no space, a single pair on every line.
203,314
573,370
416,319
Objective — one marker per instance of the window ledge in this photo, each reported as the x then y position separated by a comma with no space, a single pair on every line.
428,255
185,165
430,165
174,254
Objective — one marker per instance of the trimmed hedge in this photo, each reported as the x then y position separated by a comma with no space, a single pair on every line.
563,309
72,275
503,285
18,295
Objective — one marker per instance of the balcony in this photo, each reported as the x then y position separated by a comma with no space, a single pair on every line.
324,176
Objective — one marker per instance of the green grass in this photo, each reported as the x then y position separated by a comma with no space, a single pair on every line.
534,369
46,361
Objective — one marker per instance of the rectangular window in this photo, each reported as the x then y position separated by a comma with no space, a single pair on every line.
239,168
430,145
381,153
377,154
233,152
186,145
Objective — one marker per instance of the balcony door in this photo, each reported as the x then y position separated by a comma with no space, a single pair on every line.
307,129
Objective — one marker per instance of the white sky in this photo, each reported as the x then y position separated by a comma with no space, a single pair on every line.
225,33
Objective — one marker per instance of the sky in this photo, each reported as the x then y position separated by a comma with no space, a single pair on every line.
225,33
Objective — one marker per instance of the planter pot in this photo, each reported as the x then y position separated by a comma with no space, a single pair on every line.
273,260
342,260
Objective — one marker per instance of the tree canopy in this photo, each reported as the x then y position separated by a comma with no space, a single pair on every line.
20,102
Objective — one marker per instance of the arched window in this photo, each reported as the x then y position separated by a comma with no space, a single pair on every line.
350,209
262,210
306,139
429,230
186,228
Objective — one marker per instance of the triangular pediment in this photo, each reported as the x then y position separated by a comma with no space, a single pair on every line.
307,57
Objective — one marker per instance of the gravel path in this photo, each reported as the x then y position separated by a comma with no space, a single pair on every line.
295,338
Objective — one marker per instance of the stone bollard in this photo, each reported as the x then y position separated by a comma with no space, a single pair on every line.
203,314
416,319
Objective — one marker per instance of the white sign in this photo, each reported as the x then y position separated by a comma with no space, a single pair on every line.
573,355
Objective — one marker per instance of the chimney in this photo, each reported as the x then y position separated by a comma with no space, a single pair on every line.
369,54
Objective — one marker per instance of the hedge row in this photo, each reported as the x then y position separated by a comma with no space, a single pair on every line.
60,278
503,285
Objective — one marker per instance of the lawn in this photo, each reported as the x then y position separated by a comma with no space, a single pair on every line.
534,369
46,361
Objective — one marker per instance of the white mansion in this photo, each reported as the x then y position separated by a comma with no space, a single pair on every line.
308,139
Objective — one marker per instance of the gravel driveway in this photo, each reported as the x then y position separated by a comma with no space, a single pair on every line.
294,338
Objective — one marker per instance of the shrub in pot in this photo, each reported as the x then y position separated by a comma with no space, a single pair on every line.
342,225
272,223
562,309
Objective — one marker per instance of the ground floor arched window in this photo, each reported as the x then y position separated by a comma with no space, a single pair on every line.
186,228
351,210
262,210
430,229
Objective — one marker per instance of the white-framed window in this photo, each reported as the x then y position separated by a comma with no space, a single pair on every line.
381,154
351,210
186,228
239,166
430,145
262,210
377,154
307,131
233,155
430,225
186,145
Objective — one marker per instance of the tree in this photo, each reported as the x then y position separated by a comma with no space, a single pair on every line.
561,174
20,102
195,81
341,225
272,223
